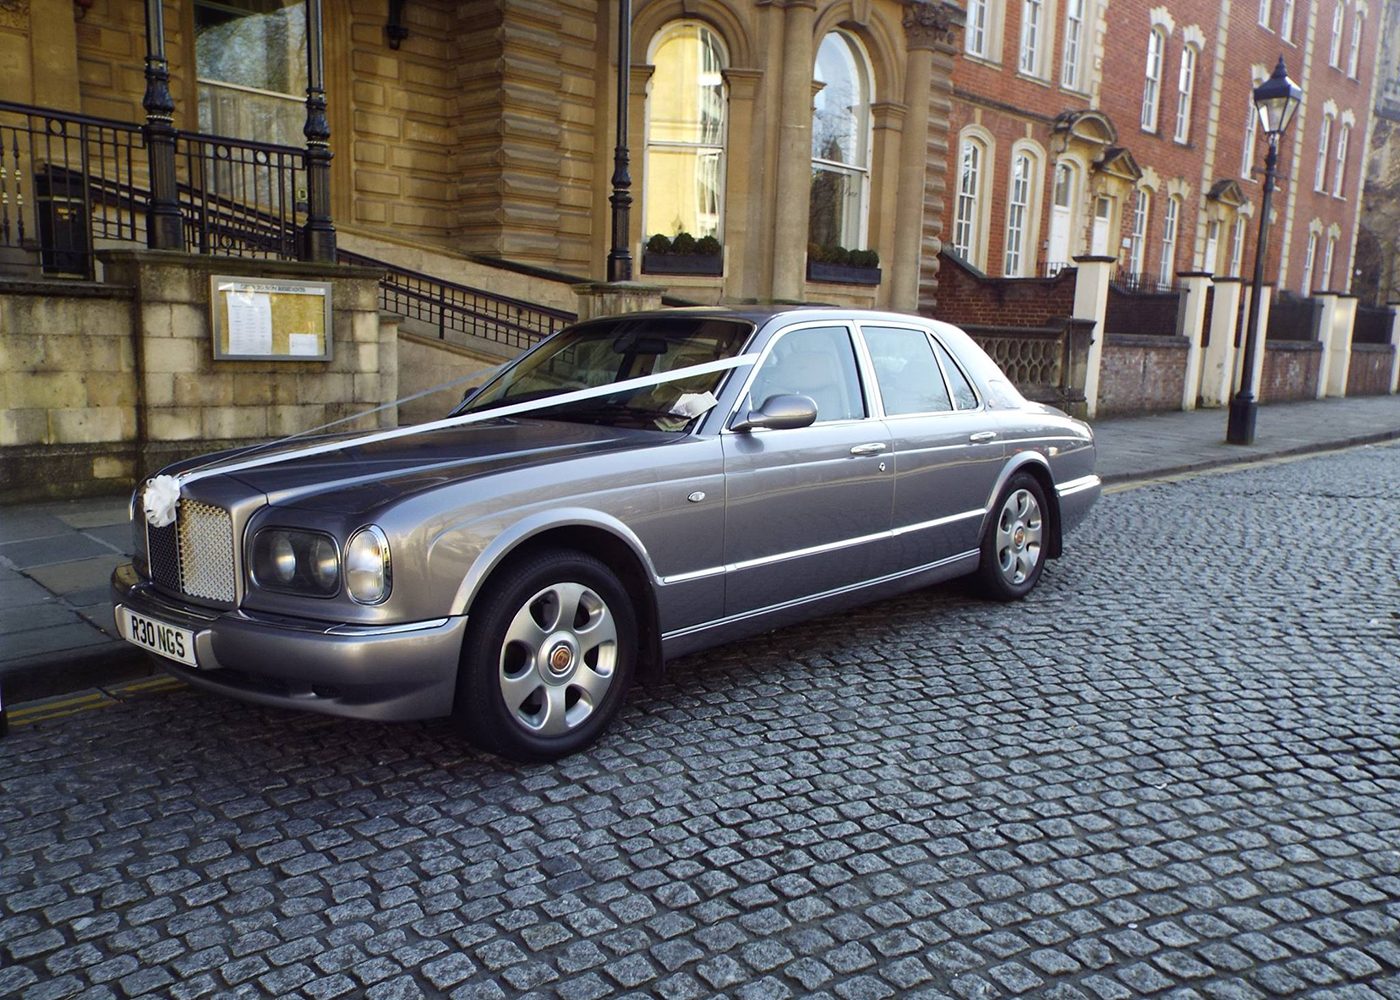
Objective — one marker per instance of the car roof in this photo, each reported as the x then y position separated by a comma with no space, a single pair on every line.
760,314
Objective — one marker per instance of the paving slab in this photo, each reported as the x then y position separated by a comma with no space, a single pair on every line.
20,591
92,513
51,550
80,575
20,523
117,536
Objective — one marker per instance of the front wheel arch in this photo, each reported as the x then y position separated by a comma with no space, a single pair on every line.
1038,469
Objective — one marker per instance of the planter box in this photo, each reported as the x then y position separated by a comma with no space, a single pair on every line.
843,274
682,263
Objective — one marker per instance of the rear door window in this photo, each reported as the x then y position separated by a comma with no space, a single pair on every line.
907,371
963,393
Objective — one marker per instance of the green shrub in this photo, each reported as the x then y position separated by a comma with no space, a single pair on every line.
865,258
840,255
683,243
708,246
659,244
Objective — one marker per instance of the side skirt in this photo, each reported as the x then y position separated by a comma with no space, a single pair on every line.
748,623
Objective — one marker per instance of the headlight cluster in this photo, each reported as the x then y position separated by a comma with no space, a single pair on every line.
303,562
367,576
309,562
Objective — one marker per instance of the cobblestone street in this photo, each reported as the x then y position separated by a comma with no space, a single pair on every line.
1174,770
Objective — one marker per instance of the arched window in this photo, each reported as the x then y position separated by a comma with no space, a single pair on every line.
1185,90
1017,261
1137,246
684,172
1324,138
840,144
1072,68
1327,259
967,209
1063,198
1334,51
1152,84
1236,247
1339,178
1358,25
1166,268
1309,259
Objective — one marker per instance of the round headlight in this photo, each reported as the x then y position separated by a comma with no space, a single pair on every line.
284,559
323,563
367,576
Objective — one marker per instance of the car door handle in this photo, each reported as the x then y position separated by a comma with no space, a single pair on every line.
874,448
981,436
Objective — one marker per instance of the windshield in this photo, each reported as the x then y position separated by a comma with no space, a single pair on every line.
605,351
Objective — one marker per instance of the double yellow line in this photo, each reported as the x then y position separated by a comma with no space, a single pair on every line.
87,701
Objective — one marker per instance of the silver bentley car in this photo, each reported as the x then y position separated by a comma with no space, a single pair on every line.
629,490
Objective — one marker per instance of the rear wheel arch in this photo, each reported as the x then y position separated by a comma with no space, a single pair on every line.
1033,466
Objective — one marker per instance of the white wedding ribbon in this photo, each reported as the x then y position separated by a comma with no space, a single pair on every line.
577,396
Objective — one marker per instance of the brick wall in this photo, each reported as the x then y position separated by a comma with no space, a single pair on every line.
964,296
1141,374
1369,372
1290,371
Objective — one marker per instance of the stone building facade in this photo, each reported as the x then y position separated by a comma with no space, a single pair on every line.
1378,244
1126,128
487,126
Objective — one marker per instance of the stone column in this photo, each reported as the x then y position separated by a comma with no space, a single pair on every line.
1192,325
640,78
925,25
1218,363
612,298
1261,345
935,184
743,270
794,152
1395,343
1343,324
1091,303
53,47
1324,337
888,122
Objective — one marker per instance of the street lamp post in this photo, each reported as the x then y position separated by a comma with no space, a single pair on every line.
1275,100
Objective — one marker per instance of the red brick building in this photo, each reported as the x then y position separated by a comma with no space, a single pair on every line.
1125,129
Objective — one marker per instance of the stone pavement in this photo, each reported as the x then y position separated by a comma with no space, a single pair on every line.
56,632
1171,772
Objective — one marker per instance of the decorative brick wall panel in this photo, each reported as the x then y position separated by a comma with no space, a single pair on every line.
1369,373
967,297
1141,374
1290,371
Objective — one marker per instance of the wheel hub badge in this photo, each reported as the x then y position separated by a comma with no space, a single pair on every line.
1020,537
561,658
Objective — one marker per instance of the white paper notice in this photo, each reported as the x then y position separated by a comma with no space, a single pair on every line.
249,323
303,344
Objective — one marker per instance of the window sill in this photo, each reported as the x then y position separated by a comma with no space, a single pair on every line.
683,263
842,274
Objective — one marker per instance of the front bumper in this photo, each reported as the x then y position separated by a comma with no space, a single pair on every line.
386,673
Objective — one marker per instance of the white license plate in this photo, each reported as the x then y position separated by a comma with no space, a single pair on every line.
160,638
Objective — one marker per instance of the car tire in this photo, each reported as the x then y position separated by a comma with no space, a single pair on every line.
550,652
1014,542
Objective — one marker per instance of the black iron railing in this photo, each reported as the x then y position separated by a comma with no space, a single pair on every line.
49,164
68,181
240,198
457,311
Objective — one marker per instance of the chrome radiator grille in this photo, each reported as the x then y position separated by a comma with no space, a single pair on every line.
195,554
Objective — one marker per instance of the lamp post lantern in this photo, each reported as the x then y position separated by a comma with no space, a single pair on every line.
1275,100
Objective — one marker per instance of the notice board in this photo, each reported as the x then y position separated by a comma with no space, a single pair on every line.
276,319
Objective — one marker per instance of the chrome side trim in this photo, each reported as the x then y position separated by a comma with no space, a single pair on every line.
815,550
837,592
1078,485
364,630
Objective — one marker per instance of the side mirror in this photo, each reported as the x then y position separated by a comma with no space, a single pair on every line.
780,413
